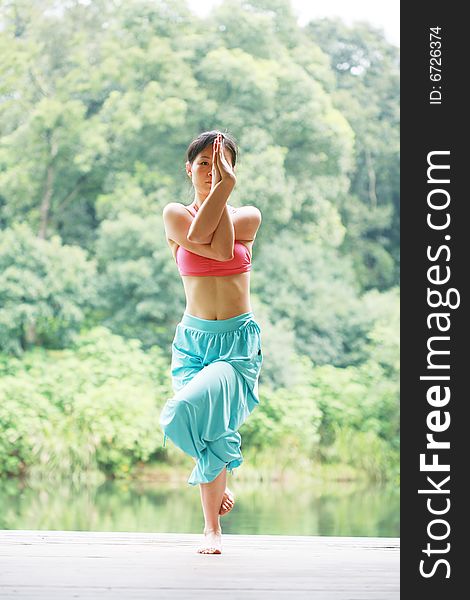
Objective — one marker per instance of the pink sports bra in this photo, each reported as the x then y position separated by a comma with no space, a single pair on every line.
190,263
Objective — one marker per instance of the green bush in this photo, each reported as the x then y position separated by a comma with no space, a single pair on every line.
95,406
367,452
286,422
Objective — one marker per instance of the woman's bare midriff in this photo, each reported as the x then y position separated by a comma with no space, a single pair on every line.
217,298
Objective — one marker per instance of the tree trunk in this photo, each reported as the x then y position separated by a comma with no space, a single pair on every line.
372,178
30,336
48,188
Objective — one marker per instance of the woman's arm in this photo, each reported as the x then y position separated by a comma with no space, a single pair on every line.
208,216
246,222
224,235
236,223
177,221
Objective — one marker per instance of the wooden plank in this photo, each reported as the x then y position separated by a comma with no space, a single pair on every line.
78,564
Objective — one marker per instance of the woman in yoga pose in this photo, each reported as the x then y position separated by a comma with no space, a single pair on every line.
216,350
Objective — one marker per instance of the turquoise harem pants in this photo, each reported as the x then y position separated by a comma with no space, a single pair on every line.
215,368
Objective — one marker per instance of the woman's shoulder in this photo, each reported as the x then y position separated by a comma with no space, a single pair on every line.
248,213
176,208
246,210
173,206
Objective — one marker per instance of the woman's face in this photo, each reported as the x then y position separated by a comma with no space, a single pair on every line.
200,170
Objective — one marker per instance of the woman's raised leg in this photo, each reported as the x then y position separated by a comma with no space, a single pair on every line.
203,417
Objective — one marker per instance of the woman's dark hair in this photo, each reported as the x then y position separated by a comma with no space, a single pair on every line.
208,137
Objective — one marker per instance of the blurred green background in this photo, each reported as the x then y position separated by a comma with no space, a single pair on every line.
98,102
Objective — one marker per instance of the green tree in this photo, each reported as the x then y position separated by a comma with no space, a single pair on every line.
45,290
367,93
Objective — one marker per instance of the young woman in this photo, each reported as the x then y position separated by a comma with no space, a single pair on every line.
216,351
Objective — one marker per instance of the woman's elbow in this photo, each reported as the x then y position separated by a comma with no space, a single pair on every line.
194,239
225,256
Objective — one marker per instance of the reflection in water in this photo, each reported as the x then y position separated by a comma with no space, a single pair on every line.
332,509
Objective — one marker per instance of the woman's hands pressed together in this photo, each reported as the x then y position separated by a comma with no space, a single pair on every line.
216,176
221,168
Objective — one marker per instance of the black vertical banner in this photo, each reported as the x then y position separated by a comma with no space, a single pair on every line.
434,260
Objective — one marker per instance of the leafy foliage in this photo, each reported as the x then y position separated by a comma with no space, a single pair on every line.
45,290
92,406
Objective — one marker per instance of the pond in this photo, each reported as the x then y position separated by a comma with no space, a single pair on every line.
325,509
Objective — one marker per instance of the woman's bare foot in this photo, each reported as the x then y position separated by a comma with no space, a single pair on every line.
228,502
212,543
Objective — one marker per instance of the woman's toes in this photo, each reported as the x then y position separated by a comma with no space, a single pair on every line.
209,551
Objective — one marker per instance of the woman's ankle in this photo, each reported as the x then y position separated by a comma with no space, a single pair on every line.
212,530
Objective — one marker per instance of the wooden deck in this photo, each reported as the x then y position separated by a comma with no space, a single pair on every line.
58,565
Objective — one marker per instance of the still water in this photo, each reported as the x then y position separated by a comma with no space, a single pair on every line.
331,509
